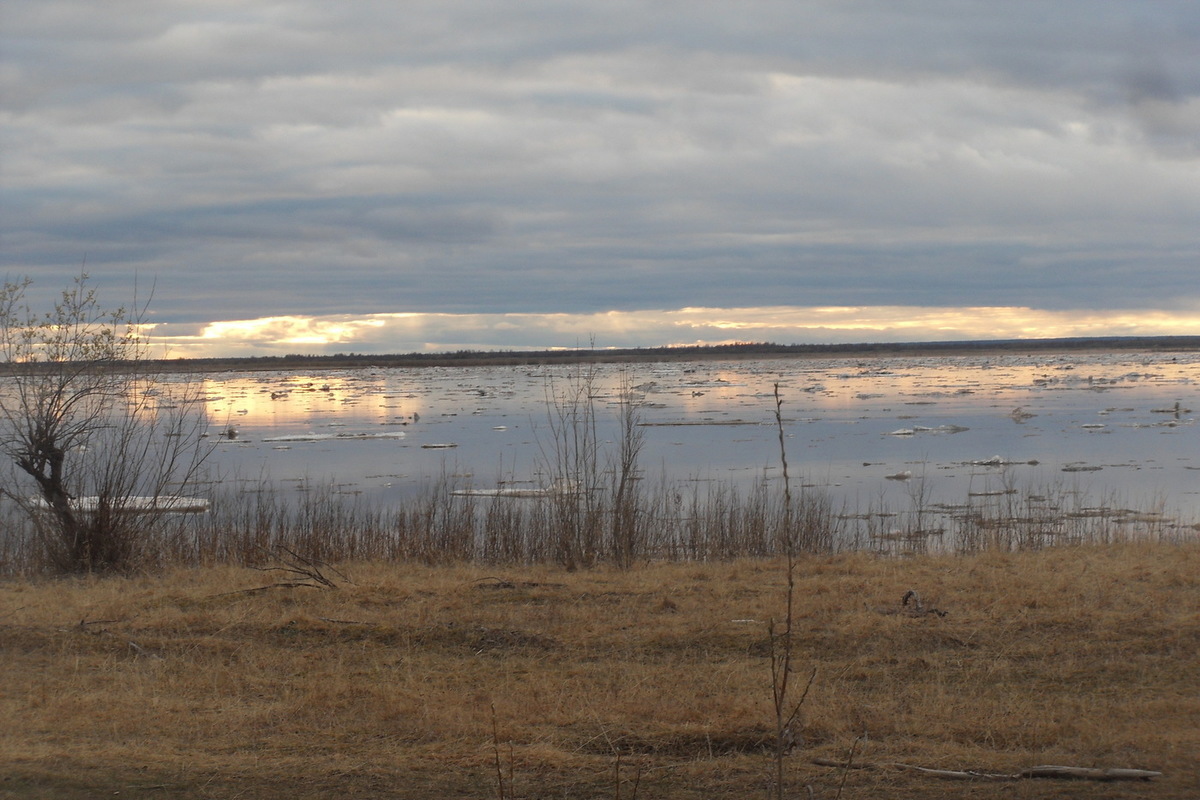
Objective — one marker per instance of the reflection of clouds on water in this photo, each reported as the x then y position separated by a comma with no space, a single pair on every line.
291,399
851,424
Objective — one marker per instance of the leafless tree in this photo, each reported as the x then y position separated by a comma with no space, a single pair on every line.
99,444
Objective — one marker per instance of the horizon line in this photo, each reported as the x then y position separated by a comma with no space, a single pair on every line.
1124,342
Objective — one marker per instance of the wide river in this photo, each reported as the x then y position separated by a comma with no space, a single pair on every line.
1110,430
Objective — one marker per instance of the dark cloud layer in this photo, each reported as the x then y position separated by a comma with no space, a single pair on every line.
306,158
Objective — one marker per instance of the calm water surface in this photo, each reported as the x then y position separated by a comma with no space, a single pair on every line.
1111,429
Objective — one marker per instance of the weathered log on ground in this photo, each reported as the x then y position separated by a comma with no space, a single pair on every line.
1087,773
1041,771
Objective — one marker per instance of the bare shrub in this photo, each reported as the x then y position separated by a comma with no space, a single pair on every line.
573,464
626,529
99,444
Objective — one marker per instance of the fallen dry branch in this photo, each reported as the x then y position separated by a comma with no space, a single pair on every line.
917,608
304,571
962,775
267,588
500,583
141,651
1041,771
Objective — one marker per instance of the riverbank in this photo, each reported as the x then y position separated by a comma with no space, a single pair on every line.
408,681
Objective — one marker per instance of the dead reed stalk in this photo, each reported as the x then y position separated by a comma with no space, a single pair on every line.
782,643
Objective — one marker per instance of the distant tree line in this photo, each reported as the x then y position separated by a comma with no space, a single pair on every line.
738,350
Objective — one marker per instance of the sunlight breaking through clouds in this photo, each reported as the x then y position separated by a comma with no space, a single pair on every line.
440,332
316,331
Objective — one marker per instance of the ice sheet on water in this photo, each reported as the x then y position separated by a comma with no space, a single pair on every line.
325,437
161,504
913,431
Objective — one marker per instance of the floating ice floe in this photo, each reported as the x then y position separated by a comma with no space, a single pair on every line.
501,492
439,446
325,437
998,461
1176,409
901,535
899,476
557,488
163,504
1170,423
913,431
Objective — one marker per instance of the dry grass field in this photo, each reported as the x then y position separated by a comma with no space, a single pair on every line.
406,681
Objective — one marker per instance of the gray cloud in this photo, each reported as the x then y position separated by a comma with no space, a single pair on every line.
315,158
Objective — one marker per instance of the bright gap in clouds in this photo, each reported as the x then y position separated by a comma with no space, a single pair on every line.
436,332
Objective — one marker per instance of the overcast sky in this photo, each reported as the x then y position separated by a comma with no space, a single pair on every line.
394,176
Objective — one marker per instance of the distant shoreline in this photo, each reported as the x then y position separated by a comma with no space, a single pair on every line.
635,355
478,358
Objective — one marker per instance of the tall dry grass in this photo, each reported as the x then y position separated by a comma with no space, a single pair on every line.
199,683
638,522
